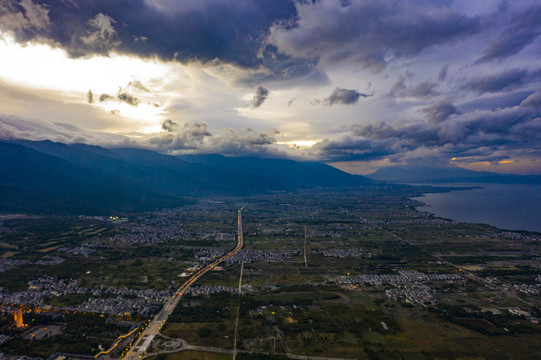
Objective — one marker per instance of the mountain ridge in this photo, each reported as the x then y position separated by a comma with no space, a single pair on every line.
442,175
47,176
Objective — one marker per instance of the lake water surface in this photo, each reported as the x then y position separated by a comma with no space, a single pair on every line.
512,207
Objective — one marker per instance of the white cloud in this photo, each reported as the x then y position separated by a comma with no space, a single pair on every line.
102,33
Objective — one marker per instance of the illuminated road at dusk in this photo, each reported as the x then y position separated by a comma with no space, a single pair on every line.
142,343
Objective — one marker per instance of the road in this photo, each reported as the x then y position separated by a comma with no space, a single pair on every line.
238,313
141,344
305,262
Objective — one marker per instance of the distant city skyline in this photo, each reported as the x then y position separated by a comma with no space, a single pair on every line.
356,84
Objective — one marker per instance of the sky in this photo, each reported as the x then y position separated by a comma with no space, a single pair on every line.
353,83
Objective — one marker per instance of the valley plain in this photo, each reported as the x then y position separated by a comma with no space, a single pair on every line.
355,274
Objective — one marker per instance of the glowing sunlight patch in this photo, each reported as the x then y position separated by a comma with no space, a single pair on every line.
299,143
42,67
39,65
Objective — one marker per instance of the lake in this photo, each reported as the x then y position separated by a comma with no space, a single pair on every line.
512,207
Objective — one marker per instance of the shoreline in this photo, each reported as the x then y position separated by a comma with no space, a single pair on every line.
488,205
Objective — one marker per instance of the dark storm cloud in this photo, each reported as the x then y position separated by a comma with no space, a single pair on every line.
121,96
504,81
286,44
90,97
136,84
196,137
522,30
370,33
260,96
247,142
443,72
499,128
439,112
169,125
420,90
344,96
181,136
496,101
24,16
128,98
259,138
533,100
106,97
409,134
350,149
487,134
285,39
205,30
285,70
196,130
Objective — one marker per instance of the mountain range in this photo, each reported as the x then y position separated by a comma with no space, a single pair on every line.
442,175
51,177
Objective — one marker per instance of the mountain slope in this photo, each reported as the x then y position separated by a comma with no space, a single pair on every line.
111,164
44,176
217,179
288,173
48,183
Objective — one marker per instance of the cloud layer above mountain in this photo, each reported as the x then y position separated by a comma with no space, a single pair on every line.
356,81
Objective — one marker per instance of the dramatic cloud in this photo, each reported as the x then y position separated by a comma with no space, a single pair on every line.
90,97
290,102
370,33
196,130
503,81
101,34
344,96
443,72
106,97
32,17
185,31
352,149
533,100
121,96
180,138
128,99
169,125
454,79
476,134
421,90
19,128
254,137
439,112
522,30
136,84
260,96
493,102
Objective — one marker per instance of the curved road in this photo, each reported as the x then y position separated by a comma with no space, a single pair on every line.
140,345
